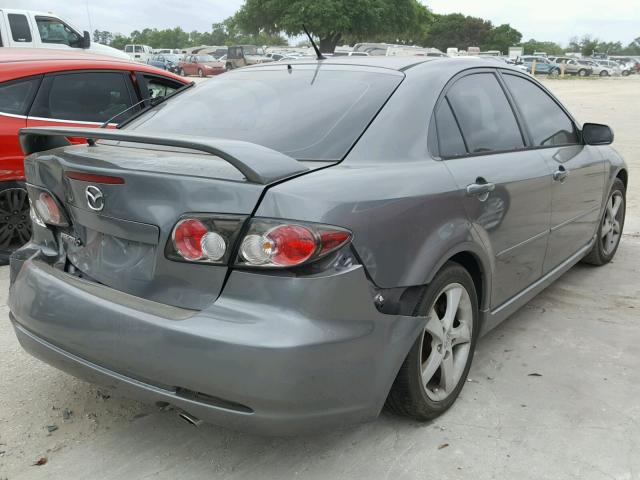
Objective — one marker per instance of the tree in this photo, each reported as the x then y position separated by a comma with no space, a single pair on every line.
456,30
501,38
102,36
332,21
550,48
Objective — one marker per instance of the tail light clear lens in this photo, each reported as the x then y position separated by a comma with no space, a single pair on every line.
204,238
274,243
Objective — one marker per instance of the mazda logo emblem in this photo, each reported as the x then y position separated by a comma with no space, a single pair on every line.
95,198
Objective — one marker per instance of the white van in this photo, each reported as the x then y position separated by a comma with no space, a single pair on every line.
139,53
23,28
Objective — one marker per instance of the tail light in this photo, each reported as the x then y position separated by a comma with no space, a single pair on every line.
274,243
46,208
204,239
266,243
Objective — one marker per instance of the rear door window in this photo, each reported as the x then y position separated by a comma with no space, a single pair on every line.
450,141
548,124
85,97
20,31
486,119
16,96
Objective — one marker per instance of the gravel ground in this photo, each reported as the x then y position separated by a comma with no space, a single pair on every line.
579,417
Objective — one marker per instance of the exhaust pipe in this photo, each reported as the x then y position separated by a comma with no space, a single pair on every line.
190,419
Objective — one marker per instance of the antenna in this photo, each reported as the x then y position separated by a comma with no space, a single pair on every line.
315,47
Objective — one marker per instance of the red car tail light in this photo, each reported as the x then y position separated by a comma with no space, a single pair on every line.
48,210
272,243
203,238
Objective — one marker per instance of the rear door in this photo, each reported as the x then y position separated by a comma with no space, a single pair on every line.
506,188
82,98
578,170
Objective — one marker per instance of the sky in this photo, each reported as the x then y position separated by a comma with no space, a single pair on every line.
554,20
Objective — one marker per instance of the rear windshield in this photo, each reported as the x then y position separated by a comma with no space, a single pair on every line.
306,113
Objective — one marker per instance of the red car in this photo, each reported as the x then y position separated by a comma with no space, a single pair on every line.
201,65
40,87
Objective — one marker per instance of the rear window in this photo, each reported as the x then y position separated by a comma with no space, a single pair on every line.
306,113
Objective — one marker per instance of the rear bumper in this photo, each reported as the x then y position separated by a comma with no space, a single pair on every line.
273,355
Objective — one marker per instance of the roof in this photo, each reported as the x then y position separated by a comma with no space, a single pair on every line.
48,54
22,62
399,63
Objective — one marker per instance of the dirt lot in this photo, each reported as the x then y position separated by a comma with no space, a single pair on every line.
579,417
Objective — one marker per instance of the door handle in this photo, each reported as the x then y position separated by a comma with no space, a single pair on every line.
561,174
481,188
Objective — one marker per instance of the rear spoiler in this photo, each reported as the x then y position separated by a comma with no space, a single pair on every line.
258,164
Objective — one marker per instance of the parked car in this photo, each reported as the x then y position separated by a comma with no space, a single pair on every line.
572,66
139,53
40,87
615,66
321,249
166,61
28,29
543,65
510,62
201,65
596,68
243,55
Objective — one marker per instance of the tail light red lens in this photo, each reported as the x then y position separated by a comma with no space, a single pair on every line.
48,209
187,238
290,244
272,243
204,238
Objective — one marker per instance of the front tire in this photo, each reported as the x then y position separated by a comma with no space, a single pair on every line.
610,228
582,72
437,365
604,73
200,73
15,222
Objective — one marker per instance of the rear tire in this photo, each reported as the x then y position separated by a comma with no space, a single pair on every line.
15,222
610,227
604,73
437,365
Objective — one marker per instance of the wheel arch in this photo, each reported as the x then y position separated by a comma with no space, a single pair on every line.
623,175
476,262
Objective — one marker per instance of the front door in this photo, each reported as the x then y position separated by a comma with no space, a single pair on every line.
578,170
506,189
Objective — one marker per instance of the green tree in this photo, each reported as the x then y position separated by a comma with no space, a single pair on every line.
119,41
550,48
501,38
459,31
332,21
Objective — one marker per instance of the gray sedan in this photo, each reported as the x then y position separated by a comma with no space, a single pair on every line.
290,247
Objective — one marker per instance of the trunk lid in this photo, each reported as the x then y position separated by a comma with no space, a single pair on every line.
122,245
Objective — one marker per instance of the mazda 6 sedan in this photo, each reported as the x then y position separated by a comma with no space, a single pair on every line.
291,246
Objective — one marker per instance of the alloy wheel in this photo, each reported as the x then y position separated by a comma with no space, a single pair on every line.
15,224
611,230
446,342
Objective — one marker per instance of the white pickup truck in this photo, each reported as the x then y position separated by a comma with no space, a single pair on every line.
24,28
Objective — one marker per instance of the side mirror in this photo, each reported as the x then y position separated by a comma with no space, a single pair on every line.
86,41
597,134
